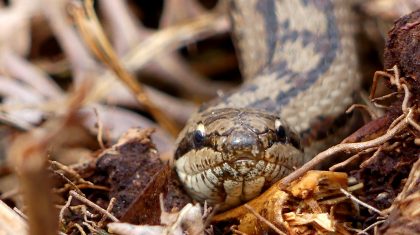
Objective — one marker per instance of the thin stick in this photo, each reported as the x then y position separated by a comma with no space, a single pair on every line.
72,172
80,229
364,231
347,161
91,228
363,107
358,201
412,122
264,220
109,209
385,96
376,76
406,98
373,157
19,212
344,163
346,147
93,205
69,184
61,215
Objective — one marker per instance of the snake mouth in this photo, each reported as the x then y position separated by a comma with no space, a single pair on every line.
244,162
244,156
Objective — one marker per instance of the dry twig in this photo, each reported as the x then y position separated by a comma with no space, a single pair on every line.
94,36
264,220
347,147
358,201
93,205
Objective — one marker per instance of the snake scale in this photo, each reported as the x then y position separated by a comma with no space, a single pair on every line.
300,68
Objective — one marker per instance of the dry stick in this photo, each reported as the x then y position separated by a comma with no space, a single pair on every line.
358,201
347,161
61,215
20,213
406,98
373,157
80,229
93,34
83,64
91,228
349,147
93,205
87,213
264,220
394,79
109,208
376,76
384,97
72,185
72,172
413,123
364,231
363,107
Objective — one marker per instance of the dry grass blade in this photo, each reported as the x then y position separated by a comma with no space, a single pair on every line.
94,36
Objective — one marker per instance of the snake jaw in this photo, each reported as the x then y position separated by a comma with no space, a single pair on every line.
243,166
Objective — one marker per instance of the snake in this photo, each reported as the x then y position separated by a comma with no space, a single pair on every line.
299,63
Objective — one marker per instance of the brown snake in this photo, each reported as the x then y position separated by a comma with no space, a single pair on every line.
298,58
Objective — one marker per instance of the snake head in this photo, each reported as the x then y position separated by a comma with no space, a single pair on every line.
228,156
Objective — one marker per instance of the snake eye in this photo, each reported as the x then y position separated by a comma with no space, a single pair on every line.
280,131
199,134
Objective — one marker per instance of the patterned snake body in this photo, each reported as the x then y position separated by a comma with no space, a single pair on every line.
298,58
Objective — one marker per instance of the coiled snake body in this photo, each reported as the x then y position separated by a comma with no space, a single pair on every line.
298,59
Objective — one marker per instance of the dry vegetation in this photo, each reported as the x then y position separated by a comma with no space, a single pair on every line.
80,154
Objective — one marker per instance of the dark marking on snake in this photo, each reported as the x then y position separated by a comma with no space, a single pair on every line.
270,21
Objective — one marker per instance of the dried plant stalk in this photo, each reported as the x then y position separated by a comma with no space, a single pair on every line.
94,36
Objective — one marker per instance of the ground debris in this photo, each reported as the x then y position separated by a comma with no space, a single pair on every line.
312,204
404,214
126,178
189,220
